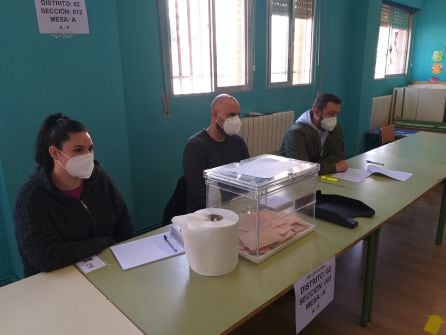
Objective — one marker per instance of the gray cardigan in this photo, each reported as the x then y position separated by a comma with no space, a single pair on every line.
54,231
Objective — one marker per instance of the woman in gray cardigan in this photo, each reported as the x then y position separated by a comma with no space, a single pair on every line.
69,208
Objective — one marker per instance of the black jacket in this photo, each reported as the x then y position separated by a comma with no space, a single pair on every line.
54,231
202,152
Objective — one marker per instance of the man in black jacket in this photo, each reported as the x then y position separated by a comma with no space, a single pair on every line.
216,145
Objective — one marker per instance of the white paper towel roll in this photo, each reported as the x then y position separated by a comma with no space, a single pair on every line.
210,240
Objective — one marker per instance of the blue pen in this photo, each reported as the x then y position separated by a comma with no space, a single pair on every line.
372,162
169,243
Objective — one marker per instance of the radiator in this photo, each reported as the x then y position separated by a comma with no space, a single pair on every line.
263,134
380,111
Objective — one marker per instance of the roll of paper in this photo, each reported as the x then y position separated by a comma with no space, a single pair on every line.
210,240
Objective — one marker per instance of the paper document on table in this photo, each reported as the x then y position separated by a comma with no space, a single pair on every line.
355,175
263,168
358,175
398,175
146,250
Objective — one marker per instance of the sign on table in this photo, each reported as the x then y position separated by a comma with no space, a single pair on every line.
314,292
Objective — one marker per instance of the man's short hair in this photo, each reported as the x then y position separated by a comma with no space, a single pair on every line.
323,99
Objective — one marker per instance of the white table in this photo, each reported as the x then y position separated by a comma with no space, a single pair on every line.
59,302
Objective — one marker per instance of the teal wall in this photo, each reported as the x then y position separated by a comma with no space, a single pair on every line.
414,4
332,63
429,35
80,76
112,80
364,17
5,247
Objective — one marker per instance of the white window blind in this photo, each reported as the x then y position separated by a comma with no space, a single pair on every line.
303,9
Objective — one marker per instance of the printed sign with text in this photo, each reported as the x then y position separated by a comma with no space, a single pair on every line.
62,16
314,292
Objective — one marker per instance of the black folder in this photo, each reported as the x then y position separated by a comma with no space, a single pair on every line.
341,210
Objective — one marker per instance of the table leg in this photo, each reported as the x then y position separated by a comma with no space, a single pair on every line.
375,258
442,218
370,269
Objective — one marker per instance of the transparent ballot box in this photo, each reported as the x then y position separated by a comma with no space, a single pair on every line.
274,197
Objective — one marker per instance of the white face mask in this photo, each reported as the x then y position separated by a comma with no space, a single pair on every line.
329,123
231,126
80,166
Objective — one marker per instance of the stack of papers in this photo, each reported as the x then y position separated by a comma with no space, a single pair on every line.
146,250
358,175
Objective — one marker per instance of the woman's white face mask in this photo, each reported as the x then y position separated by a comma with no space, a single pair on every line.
80,166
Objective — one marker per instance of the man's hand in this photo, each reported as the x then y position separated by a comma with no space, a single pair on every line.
341,166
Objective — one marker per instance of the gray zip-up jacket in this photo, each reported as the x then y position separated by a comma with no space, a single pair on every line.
303,141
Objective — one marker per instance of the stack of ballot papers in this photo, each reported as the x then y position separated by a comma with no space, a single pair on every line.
358,175
275,228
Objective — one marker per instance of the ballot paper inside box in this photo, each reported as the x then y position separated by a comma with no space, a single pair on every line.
274,197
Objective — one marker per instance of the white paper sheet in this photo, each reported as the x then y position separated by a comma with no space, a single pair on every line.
358,175
355,175
146,250
263,168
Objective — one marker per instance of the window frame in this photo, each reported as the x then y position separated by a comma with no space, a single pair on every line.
291,31
408,43
215,89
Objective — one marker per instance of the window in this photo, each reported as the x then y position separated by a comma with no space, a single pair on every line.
291,25
209,45
393,42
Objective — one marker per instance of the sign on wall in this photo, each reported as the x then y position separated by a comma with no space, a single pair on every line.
314,292
62,16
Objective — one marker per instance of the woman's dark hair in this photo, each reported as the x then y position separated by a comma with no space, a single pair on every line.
55,130
322,100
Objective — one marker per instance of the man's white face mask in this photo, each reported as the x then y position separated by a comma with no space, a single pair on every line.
329,123
232,125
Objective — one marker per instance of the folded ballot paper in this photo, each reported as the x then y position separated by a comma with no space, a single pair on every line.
358,175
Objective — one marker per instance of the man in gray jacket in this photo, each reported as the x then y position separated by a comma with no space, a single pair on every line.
316,137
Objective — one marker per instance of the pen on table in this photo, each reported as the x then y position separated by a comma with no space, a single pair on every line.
170,244
329,178
372,162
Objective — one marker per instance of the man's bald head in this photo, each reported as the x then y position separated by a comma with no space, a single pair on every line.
223,102
223,107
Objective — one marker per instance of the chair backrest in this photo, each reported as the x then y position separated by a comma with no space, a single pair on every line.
387,133
177,204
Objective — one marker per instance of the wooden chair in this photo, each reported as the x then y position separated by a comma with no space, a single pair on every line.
387,133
